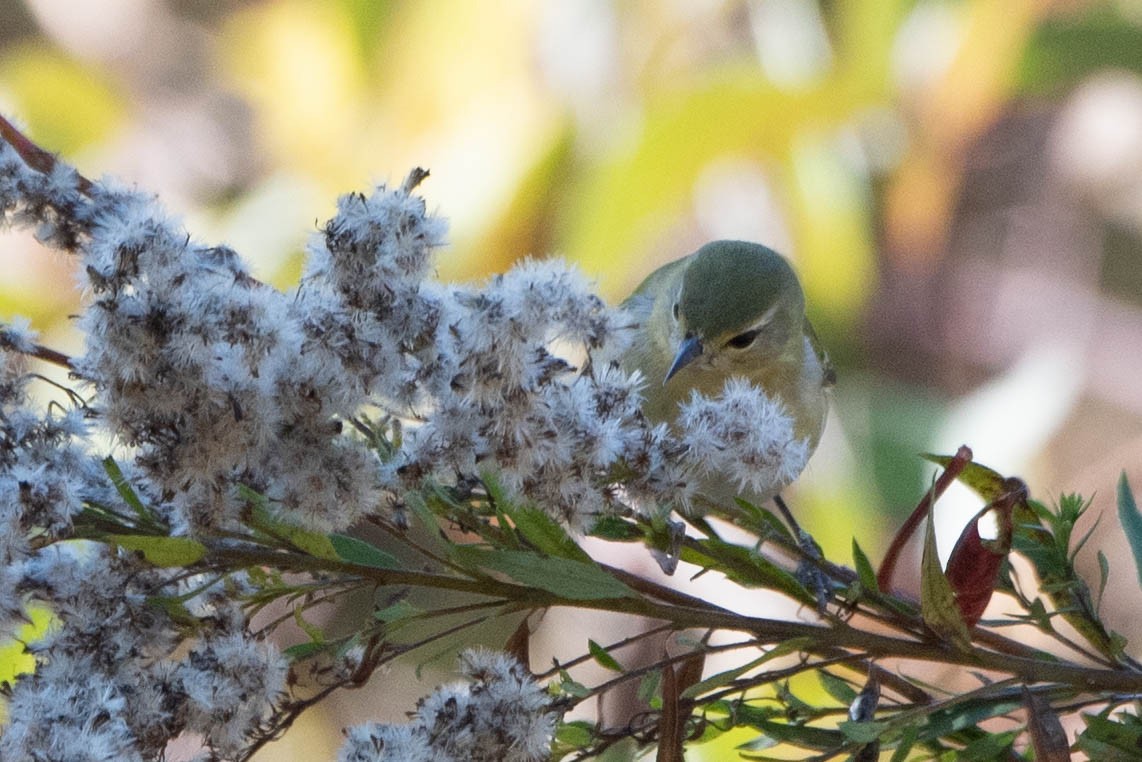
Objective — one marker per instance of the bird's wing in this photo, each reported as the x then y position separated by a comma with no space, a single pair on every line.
830,373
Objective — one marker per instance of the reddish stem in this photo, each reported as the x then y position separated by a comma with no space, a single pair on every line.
955,466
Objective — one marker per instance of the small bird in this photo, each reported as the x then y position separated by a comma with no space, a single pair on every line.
731,308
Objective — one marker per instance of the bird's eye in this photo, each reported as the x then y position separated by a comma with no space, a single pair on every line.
743,340
674,310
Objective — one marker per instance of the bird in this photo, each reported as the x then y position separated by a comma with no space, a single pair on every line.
731,308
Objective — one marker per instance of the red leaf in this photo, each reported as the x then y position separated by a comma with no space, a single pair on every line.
974,564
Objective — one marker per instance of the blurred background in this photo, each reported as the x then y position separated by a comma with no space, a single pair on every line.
959,184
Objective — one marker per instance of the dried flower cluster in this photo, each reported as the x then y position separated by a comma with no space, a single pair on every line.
214,380
501,713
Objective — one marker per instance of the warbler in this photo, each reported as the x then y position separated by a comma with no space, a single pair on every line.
731,308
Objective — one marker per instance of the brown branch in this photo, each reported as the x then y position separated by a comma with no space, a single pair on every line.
49,355
35,157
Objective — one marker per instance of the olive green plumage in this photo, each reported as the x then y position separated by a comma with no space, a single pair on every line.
731,308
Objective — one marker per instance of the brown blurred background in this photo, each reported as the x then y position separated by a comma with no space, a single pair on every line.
959,184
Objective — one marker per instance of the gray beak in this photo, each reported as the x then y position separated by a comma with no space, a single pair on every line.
688,351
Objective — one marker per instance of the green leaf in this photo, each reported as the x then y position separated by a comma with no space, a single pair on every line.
499,533
763,519
991,747
362,553
564,577
937,601
964,715
616,529
1131,521
725,678
572,687
1105,738
576,734
396,612
427,519
907,741
648,687
546,534
263,519
125,491
839,690
805,736
746,567
313,631
175,609
1103,577
863,732
603,658
303,650
865,573
162,551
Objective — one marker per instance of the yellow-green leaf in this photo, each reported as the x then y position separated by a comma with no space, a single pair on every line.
263,519
162,551
937,601
988,484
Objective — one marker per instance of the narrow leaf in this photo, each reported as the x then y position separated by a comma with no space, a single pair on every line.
124,489
427,519
763,518
725,678
362,553
988,484
562,576
1131,521
865,573
862,732
396,612
616,529
803,736
162,551
546,534
602,657
746,567
309,628
1109,738
937,601
302,650
1103,578
836,687
262,518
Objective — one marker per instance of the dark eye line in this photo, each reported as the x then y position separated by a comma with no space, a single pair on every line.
674,310
743,340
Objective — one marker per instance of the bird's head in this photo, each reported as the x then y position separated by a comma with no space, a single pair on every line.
738,307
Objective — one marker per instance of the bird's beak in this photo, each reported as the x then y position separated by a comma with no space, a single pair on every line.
688,351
